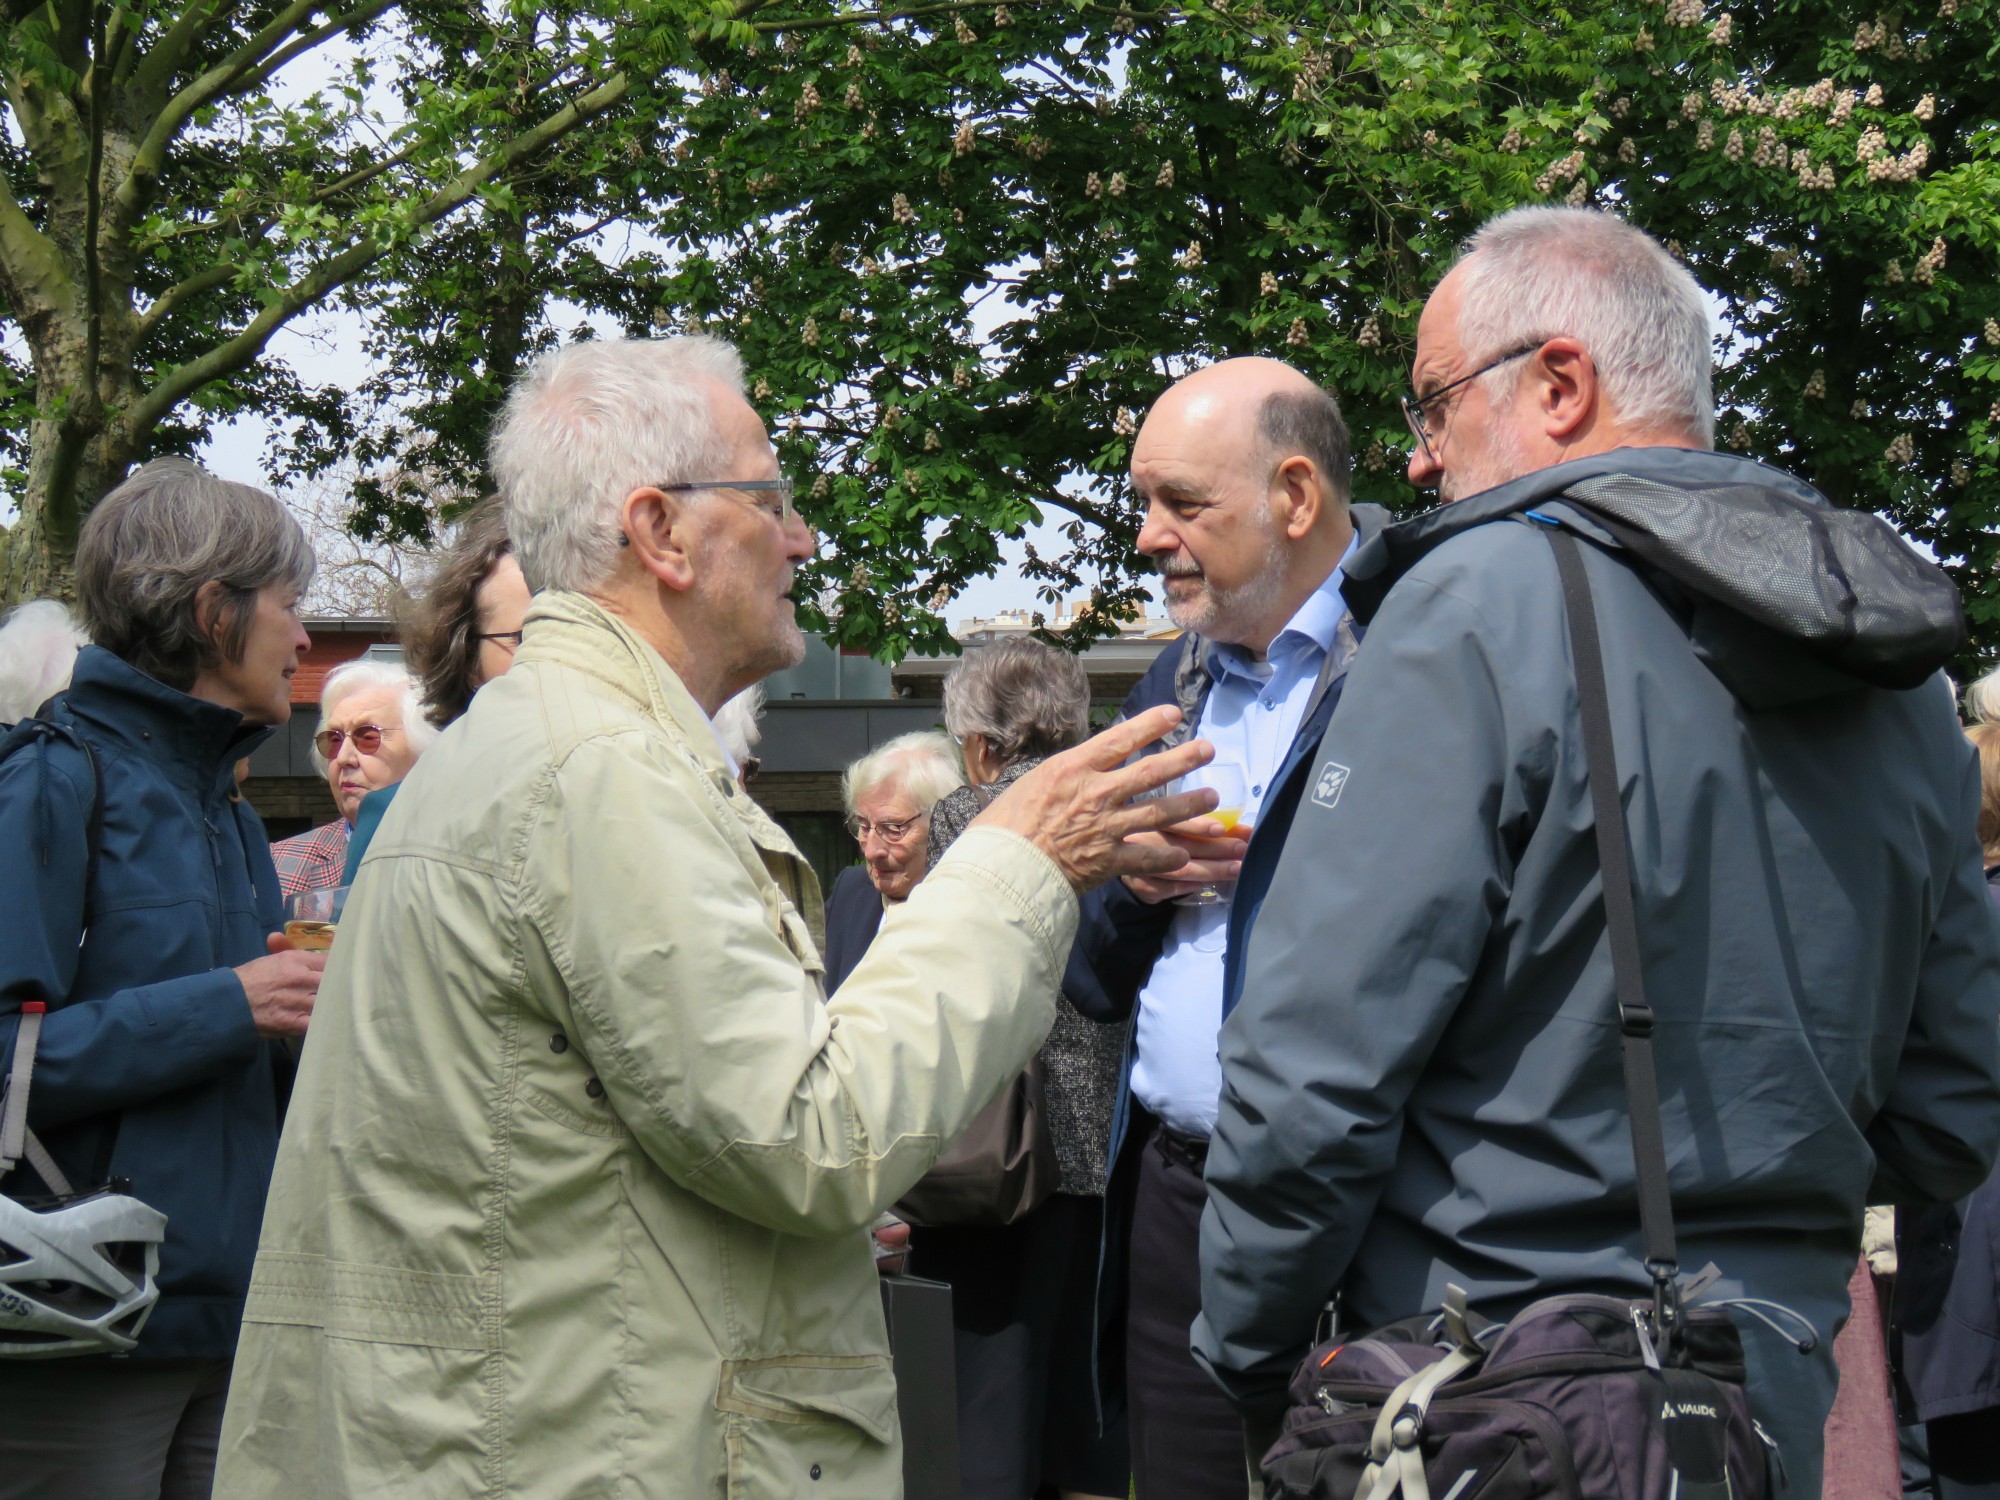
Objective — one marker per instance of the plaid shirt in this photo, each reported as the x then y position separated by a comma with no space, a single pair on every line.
312,860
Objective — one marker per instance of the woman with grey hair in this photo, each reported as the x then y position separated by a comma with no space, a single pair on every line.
139,907
1024,1296
372,728
889,794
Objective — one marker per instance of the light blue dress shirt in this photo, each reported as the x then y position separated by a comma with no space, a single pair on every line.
1253,713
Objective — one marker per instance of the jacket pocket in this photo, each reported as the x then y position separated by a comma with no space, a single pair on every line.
823,1426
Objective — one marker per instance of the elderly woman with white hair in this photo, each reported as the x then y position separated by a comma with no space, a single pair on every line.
372,728
38,647
889,794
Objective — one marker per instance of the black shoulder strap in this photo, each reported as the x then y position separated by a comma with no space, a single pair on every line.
1635,1016
42,730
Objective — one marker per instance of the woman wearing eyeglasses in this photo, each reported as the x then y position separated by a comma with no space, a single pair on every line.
889,794
371,731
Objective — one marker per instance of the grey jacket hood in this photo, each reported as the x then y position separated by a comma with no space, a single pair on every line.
1787,599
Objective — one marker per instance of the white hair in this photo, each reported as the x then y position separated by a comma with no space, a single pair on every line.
736,723
1542,272
924,764
351,677
1982,699
590,423
38,647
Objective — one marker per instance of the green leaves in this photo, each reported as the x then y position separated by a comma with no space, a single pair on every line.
964,249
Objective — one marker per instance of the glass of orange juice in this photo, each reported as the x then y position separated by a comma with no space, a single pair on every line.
312,916
1228,782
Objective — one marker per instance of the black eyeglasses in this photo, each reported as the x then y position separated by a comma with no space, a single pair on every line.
1413,405
783,512
510,640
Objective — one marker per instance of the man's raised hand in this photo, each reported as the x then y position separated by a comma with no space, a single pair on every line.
1079,809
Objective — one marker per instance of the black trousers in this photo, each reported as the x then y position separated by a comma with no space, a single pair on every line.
1021,1301
110,1429
1187,1440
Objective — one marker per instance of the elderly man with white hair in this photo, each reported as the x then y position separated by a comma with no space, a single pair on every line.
372,728
575,1184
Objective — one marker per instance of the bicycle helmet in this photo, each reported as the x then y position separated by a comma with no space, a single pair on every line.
77,1279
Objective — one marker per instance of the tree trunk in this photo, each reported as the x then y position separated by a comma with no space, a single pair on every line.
65,477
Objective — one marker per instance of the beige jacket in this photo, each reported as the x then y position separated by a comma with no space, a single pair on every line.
572,1195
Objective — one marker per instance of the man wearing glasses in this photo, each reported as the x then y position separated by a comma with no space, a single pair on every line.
576,1181
1422,1078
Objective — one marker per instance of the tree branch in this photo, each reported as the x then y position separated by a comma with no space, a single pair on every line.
239,352
37,285
135,193
305,42
164,305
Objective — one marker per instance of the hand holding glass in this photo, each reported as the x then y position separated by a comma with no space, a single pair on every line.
312,917
1229,784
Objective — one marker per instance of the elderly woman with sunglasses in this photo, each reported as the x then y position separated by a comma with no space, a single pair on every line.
371,730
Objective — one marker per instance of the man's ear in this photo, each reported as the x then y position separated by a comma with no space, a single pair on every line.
660,535
1298,495
1564,381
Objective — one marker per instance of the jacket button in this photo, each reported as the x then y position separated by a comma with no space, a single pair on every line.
813,1471
594,1089
558,1043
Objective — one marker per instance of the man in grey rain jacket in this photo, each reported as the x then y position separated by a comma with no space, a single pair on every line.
1421,1079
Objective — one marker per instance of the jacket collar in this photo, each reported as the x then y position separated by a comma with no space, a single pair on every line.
1393,550
122,704
575,632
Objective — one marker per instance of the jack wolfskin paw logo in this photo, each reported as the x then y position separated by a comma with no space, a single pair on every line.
1332,782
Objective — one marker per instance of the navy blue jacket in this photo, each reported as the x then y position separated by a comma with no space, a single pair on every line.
853,916
1119,937
149,1041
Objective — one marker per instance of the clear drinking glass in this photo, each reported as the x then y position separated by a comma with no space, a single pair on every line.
1228,782
312,916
